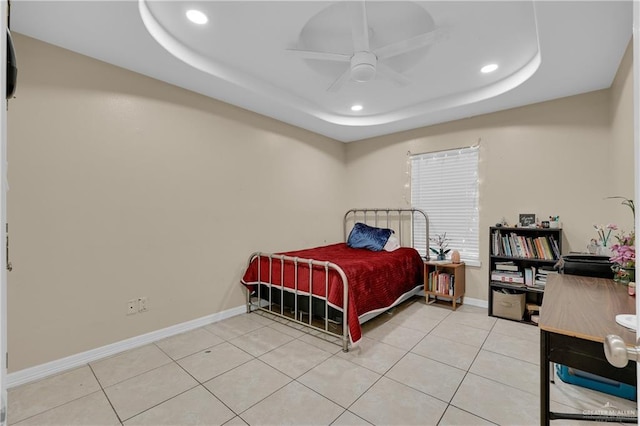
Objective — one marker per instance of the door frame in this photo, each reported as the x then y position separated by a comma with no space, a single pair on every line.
636,148
4,14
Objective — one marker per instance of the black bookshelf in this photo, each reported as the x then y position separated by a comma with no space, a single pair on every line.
532,249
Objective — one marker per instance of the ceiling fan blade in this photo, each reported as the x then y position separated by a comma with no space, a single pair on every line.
340,81
359,25
393,75
325,56
407,45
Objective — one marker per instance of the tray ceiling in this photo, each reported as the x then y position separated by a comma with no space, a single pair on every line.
308,63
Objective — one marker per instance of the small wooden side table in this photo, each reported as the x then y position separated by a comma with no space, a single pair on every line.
444,283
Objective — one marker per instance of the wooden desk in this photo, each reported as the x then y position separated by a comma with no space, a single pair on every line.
577,314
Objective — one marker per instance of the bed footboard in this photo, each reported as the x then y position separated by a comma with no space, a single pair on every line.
296,303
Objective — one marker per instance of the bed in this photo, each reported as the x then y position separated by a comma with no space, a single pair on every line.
335,288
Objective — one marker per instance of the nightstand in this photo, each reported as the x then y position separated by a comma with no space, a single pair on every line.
444,283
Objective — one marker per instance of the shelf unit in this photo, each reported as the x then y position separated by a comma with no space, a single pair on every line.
453,273
528,257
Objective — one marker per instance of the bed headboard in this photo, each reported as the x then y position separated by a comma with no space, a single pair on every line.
410,225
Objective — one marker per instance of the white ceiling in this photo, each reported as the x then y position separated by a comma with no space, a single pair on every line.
244,54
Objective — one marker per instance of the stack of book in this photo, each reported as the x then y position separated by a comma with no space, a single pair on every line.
537,277
541,275
507,272
533,310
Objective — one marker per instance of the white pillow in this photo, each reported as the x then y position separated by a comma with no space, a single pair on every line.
392,243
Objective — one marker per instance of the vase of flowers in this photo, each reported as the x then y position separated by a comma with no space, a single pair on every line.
442,242
624,258
624,251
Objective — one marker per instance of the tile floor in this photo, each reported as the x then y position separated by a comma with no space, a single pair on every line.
418,365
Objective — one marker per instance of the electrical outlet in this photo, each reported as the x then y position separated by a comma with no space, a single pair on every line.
142,304
132,306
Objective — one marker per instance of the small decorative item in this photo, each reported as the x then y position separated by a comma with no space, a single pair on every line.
603,246
455,256
623,275
545,223
442,242
554,222
527,220
623,253
624,258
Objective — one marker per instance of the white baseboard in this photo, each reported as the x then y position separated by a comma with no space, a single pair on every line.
476,302
54,367
58,366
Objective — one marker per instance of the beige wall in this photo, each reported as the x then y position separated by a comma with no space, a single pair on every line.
122,186
552,158
622,158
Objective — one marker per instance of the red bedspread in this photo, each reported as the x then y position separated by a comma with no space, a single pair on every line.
375,279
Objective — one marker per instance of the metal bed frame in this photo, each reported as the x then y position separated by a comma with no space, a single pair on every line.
371,216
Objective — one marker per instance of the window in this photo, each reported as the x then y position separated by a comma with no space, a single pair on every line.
445,185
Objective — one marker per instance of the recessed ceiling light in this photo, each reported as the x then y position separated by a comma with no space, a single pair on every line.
356,107
197,17
489,68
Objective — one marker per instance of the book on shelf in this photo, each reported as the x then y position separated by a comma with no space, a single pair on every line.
441,282
533,253
544,247
532,307
554,246
496,243
516,244
528,276
539,248
507,246
507,277
508,273
540,279
506,266
548,253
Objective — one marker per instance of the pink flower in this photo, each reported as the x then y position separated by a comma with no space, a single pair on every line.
624,253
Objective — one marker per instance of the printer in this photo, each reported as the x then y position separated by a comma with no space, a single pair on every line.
589,265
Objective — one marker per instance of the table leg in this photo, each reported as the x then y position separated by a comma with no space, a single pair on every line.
544,378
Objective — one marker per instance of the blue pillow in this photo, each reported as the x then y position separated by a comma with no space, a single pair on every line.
368,237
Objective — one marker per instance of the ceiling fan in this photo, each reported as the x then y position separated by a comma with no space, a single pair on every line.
365,64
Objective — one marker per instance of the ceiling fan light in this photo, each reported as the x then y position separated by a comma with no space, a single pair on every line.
197,17
363,66
363,72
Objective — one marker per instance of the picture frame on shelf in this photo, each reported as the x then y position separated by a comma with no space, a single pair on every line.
527,220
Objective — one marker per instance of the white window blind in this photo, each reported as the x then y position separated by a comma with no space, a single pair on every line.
445,185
